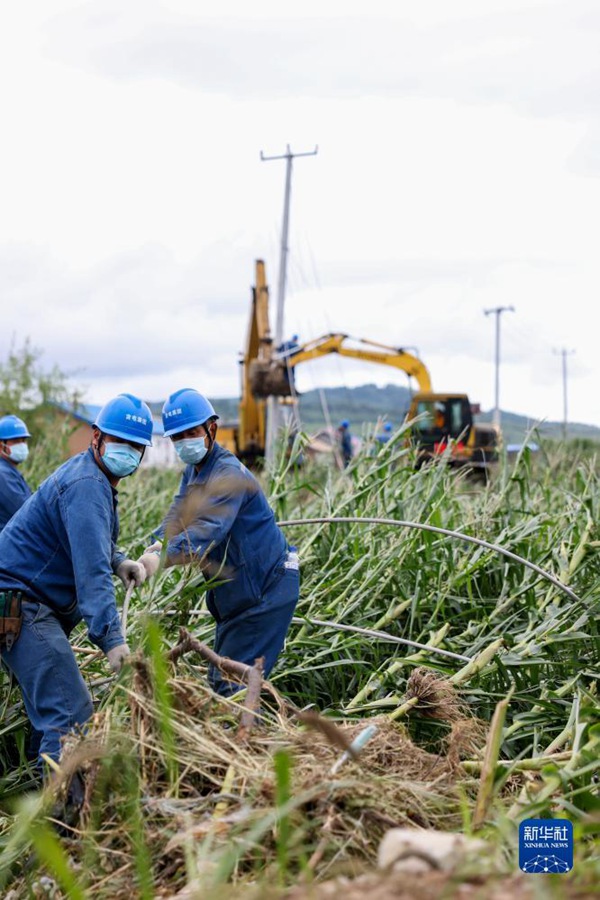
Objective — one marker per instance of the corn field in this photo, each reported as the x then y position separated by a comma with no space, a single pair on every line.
459,619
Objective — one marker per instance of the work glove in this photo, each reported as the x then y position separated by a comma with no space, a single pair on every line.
150,563
129,570
156,547
116,656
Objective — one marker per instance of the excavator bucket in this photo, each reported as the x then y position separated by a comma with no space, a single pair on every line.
270,379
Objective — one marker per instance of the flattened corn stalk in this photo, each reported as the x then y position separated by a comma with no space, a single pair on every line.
381,635
422,526
533,764
473,667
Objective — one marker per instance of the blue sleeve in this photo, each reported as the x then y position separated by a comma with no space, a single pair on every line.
87,515
14,491
117,558
205,515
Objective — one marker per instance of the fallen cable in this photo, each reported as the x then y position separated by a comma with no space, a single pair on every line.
98,654
128,593
369,632
399,523
381,635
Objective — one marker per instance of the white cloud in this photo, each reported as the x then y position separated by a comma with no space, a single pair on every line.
455,145
486,52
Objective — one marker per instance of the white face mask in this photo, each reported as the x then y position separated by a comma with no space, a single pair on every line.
18,452
191,450
121,459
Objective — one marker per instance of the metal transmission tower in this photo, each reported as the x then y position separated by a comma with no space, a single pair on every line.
564,353
273,419
498,310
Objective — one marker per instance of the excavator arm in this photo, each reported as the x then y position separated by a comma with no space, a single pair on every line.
257,352
368,351
272,375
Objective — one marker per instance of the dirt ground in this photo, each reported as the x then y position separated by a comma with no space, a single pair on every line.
430,886
439,886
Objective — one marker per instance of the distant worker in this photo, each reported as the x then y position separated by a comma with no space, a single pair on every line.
288,348
385,434
57,557
439,421
221,520
283,352
14,490
345,441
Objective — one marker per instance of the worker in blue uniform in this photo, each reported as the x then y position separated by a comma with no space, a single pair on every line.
383,436
284,351
288,348
14,490
220,519
345,439
58,554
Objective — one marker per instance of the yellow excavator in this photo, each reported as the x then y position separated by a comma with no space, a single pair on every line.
443,422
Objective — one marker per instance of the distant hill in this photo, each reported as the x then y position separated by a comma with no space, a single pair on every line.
515,427
366,404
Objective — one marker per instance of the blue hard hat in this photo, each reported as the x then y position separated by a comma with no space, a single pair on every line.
12,427
344,423
387,426
126,417
185,409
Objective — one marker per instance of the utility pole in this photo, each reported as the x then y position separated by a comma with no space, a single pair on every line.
564,353
498,310
272,404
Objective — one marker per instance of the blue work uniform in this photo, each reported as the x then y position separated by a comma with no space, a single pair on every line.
14,491
221,517
60,551
287,348
346,445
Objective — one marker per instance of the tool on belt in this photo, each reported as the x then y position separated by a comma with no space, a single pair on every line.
10,618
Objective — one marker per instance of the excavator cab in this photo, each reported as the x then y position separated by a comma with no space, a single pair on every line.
444,425
441,417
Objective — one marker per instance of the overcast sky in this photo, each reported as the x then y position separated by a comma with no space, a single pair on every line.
458,170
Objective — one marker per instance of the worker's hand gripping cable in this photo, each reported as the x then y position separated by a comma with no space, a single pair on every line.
133,574
150,559
130,570
116,656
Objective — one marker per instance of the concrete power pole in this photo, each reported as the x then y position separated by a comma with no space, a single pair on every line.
273,419
564,353
498,310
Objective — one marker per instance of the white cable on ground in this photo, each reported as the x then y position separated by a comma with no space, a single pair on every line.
128,594
398,523
380,635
